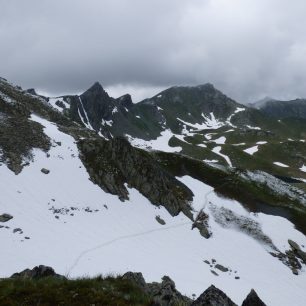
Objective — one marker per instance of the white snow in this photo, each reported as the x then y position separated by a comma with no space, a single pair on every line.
159,108
253,127
217,150
220,140
210,160
251,150
159,96
239,144
261,142
303,168
115,110
107,122
87,124
53,101
126,237
202,145
137,116
238,110
161,143
280,164
210,122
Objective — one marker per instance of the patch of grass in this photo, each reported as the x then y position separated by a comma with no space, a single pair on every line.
85,291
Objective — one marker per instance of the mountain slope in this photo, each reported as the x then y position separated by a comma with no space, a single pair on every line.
63,218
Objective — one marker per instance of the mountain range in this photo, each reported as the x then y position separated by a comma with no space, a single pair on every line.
187,183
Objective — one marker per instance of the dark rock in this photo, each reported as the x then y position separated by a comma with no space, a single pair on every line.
253,300
166,294
221,268
45,171
5,217
136,278
214,272
297,250
237,277
213,297
163,294
112,164
206,261
160,220
37,273
15,230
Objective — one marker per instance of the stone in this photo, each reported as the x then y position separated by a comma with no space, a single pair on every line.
207,262
5,217
214,272
221,268
160,220
45,171
15,230
253,300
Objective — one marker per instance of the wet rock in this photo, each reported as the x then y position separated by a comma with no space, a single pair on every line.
160,220
5,217
45,171
37,273
213,297
253,300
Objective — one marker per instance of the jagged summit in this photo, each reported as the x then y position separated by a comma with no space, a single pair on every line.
96,90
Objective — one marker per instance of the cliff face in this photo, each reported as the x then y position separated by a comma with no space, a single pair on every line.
112,164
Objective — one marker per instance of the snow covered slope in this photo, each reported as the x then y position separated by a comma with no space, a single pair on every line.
75,227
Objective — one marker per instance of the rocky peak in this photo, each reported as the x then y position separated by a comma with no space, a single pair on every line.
253,300
213,297
125,101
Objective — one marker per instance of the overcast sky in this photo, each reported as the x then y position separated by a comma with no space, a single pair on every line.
247,48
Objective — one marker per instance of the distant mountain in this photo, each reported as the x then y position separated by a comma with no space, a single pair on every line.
260,103
285,109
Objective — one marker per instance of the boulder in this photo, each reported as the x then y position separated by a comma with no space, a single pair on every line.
221,268
5,217
45,171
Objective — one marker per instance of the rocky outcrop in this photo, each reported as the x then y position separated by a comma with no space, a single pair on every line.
163,294
297,250
37,273
112,164
213,297
253,300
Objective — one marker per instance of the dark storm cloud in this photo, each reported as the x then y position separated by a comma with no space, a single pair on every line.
247,48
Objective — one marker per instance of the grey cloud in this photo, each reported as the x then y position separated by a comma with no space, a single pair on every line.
247,48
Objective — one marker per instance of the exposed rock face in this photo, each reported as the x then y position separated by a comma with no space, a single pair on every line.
164,293
253,300
112,164
37,273
213,297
